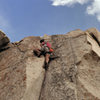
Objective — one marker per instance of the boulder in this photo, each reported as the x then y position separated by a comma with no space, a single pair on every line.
4,40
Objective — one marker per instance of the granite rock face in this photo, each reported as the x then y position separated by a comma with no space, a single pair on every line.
21,73
75,75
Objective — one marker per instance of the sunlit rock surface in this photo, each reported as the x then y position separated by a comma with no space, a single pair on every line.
75,75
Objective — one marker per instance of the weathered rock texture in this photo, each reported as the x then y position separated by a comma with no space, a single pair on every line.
21,73
75,75
4,40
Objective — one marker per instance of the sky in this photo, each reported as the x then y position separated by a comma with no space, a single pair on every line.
23,18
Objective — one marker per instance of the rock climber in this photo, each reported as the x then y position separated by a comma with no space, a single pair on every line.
45,50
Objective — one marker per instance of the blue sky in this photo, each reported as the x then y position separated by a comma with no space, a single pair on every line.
22,18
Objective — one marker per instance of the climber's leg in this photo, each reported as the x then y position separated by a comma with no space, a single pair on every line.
47,55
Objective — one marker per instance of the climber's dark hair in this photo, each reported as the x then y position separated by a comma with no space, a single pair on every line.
42,40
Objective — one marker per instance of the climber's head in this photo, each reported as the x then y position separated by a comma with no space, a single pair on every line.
42,42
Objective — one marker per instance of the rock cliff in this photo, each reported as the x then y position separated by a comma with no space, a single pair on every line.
75,75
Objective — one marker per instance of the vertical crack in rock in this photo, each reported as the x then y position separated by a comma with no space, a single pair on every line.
43,84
